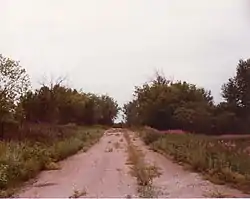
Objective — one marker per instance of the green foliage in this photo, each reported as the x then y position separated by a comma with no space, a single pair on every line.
165,105
236,92
14,82
63,105
54,104
38,128
13,79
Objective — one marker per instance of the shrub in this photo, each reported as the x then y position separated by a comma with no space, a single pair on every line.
150,135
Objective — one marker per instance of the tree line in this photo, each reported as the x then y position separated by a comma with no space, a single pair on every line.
54,103
162,104
165,104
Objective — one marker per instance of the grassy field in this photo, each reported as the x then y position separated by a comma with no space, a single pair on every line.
39,148
221,159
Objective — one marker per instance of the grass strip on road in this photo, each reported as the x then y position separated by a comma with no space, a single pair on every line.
144,173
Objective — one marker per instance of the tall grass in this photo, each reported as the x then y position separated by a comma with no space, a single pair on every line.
23,158
220,161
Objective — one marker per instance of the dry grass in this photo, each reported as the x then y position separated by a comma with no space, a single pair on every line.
153,171
79,194
216,194
221,161
52,166
143,173
21,159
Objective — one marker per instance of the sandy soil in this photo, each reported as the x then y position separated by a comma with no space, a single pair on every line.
102,172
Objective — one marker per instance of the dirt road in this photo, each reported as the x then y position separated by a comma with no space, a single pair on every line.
103,171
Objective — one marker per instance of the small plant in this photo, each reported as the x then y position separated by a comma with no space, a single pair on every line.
78,194
153,171
146,191
52,166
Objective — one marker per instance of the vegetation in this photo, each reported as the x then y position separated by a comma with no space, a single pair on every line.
23,159
221,160
164,104
144,173
61,105
79,194
53,103
40,127
14,82
183,107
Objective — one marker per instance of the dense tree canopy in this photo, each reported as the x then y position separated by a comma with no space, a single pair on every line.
236,93
165,104
63,105
161,103
51,103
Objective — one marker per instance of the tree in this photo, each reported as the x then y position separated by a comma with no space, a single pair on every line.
165,104
61,105
14,82
236,93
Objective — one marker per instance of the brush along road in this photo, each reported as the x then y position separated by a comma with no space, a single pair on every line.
107,170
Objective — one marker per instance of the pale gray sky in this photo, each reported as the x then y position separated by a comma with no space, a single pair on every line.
110,46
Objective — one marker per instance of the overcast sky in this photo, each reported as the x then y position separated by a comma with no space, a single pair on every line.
110,46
